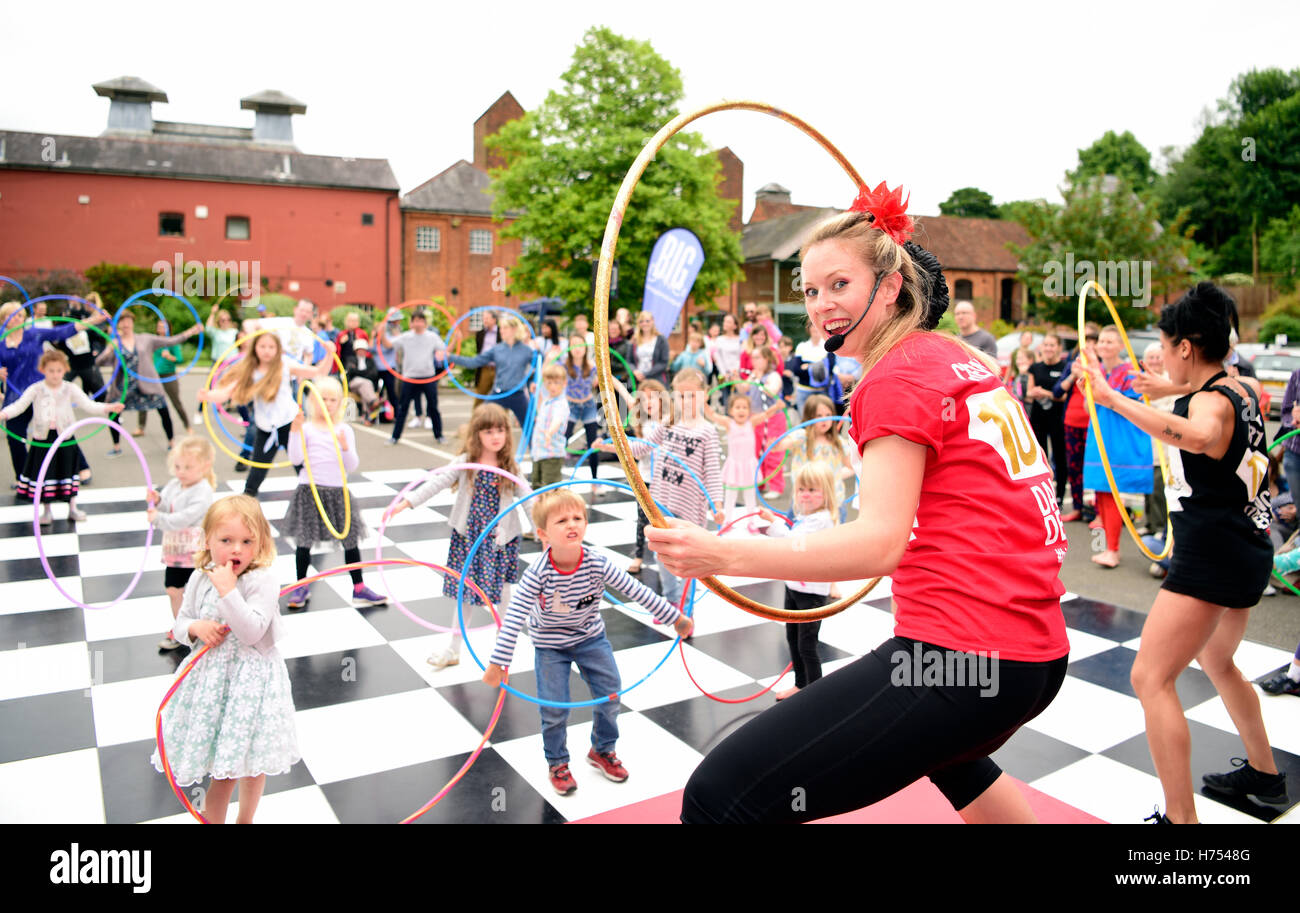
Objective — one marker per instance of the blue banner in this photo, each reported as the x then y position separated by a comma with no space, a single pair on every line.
674,264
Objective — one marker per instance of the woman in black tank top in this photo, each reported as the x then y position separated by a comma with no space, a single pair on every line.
1218,500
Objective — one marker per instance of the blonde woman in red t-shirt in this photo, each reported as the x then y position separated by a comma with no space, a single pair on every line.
957,506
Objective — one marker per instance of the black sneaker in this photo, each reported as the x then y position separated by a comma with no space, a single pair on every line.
1157,817
1249,782
1281,683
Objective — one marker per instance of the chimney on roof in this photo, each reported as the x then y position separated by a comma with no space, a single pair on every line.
274,111
132,100
503,111
772,201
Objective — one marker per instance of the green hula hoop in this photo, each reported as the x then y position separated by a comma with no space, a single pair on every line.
126,383
785,454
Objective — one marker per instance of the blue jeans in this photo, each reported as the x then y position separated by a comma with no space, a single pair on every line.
595,659
670,587
1291,469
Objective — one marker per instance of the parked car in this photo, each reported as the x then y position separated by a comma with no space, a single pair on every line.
1273,369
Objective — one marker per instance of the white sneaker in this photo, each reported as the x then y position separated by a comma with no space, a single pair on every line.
414,422
76,514
440,659
428,423
1270,590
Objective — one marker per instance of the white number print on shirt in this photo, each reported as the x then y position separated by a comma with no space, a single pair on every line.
999,421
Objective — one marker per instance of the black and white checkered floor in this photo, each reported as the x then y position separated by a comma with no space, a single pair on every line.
381,731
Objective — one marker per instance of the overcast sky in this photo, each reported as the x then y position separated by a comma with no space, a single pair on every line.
933,95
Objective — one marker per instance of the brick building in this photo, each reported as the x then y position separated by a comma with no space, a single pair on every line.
976,262
451,247
147,192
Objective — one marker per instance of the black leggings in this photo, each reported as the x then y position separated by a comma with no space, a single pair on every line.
302,556
166,420
593,435
801,637
854,737
265,454
1051,428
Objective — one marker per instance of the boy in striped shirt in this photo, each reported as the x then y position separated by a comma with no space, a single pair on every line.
559,597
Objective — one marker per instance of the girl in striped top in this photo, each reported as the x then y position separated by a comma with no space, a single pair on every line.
686,434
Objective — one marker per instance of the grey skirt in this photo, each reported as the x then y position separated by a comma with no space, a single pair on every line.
303,523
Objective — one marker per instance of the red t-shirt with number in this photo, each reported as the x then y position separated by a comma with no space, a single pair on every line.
982,569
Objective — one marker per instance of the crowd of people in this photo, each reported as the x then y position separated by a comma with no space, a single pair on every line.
712,425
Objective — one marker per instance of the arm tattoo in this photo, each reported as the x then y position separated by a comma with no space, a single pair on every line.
1171,434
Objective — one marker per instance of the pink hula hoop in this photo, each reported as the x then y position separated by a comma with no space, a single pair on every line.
383,525
36,505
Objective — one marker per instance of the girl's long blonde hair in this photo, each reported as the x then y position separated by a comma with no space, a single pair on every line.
810,406
818,475
485,417
640,416
247,509
268,387
885,257
198,447
322,384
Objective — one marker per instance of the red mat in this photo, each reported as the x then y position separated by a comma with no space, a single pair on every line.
920,803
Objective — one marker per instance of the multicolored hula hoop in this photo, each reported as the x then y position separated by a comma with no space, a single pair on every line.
604,274
464,768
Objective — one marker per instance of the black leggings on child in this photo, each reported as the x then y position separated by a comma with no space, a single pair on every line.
166,420
802,637
262,453
302,557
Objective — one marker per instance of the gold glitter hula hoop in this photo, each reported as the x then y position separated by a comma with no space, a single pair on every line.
1096,427
601,330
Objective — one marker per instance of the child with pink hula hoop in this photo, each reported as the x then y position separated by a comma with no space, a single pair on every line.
232,718
479,497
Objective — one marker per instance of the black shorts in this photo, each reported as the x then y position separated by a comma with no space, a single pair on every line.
868,730
1222,566
177,577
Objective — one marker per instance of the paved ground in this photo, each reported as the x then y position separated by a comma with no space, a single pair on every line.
1275,622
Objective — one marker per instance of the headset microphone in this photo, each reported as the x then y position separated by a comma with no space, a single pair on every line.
836,340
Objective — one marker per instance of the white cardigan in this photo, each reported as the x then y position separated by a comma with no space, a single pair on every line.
507,529
42,398
251,609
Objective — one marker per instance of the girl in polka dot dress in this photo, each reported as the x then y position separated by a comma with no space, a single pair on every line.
480,496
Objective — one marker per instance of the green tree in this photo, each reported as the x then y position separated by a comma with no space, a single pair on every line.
1280,249
568,158
971,203
1103,224
1118,154
1241,172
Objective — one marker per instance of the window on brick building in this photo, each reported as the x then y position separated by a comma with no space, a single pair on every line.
965,291
367,218
171,223
237,228
428,238
480,241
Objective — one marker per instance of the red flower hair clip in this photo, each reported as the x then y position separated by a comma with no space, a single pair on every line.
888,210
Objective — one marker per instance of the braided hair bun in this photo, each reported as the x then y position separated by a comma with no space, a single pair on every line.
930,271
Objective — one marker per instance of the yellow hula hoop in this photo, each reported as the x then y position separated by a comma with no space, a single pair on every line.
1096,426
207,406
601,330
338,451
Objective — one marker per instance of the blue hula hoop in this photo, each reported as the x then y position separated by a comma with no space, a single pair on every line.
815,421
688,596
243,448
713,508
15,285
451,331
30,304
530,417
151,306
